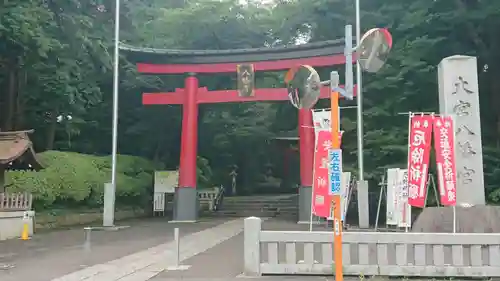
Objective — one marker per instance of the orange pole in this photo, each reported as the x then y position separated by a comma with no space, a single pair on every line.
337,223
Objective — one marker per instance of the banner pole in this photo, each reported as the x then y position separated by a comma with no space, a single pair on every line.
314,177
337,227
410,114
454,219
381,193
435,188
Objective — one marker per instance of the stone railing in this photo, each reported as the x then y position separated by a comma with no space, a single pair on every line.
207,197
15,201
371,253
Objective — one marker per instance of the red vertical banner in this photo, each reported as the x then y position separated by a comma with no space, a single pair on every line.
418,158
321,200
444,143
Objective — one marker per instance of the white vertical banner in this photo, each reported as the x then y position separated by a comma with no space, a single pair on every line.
404,213
321,120
391,204
344,195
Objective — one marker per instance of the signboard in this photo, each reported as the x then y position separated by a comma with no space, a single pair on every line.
444,144
166,181
159,202
321,202
418,158
335,159
404,209
392,200
246,80
344,197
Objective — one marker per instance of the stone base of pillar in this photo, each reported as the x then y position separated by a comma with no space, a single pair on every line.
305,194
363,204
185,205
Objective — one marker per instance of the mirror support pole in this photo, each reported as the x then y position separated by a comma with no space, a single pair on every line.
359,98
363,208
349,79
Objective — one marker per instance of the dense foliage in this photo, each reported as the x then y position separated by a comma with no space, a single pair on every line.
72,179
55,60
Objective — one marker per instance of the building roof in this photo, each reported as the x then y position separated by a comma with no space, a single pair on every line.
171,56
17,146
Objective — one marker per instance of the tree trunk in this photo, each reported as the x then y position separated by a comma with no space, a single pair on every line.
51,131
10,102
495,103
2,178
19,116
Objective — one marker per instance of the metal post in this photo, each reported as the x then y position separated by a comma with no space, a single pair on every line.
454,219
382,187
349,83
337,211
359,99
115,99
177,246
87,244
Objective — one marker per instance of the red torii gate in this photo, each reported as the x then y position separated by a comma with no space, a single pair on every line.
326,53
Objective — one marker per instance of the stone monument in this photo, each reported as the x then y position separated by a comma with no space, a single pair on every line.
459,97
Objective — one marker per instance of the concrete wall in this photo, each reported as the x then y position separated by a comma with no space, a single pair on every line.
11,225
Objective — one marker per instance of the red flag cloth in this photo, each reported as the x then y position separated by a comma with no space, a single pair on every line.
444,145
321,201
418,158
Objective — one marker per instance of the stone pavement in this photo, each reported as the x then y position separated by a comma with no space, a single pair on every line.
210,250
144,265
51,255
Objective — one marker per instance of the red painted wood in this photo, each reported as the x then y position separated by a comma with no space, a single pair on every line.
205,96
189,137
231,67
306,147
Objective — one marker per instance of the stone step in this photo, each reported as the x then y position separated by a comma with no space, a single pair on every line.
289,198
260,203
281,208
249,213
257,206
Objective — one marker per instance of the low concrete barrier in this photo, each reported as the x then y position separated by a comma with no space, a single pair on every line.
11,224
371,253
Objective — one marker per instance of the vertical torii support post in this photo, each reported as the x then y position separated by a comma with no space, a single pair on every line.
306,147
186,197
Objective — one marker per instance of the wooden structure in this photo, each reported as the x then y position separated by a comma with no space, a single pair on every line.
371,253
15,201
16,152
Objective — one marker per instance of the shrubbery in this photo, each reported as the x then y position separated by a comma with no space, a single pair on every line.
72,179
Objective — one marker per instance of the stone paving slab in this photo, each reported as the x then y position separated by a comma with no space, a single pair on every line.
222,261
225,260
143,265
53,254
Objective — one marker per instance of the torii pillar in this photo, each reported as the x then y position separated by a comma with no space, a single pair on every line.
186,195
306,148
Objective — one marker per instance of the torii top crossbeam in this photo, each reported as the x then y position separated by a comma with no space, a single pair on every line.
167,61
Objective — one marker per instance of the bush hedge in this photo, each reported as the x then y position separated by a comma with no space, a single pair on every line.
71,179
